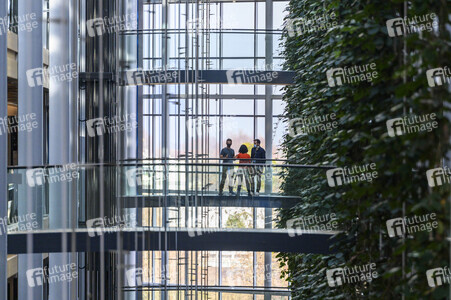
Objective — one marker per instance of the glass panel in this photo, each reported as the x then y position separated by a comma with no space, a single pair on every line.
229,64
240,130
237,268
238,15
239,45
280,129
228,89
240,296
276,272
260,272
260,130
279,13
261,17
237,218
261,108
238,107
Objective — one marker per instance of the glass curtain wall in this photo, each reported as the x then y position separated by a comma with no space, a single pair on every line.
207,36
233,38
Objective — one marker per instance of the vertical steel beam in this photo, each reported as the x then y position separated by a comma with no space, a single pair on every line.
165,144
63,133
131,141
82,257
255,210
268,131
3,151
100,103
31,144
221,124
140,132
187,139
74,145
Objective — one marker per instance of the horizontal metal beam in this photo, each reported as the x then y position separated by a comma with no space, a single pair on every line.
275,291
212,1
210,201
233,97
180,239
234,77
215,116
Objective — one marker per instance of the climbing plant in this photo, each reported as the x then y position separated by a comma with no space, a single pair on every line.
356,33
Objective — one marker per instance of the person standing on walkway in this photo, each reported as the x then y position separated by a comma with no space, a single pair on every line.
258,155
227,154
243,172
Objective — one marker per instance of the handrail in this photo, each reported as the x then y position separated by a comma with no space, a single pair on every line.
119,164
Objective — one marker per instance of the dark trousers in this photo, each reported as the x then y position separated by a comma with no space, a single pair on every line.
243,175
256,175
224,177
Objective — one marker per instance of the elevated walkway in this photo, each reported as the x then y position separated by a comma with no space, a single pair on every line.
176,239
210,201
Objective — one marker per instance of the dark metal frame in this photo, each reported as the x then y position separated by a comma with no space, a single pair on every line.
174,239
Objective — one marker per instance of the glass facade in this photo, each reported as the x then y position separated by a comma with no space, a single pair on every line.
232,37
123,178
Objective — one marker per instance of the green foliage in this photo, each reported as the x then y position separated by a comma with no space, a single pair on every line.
239,220
362,110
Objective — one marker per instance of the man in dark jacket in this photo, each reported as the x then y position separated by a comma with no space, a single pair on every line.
227,154
258,155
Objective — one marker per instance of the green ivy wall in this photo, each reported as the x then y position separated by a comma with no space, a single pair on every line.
359,37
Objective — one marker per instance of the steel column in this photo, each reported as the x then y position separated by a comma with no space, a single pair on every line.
130,141
63,133
165,144
100,102
30,144
3,152
268,131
